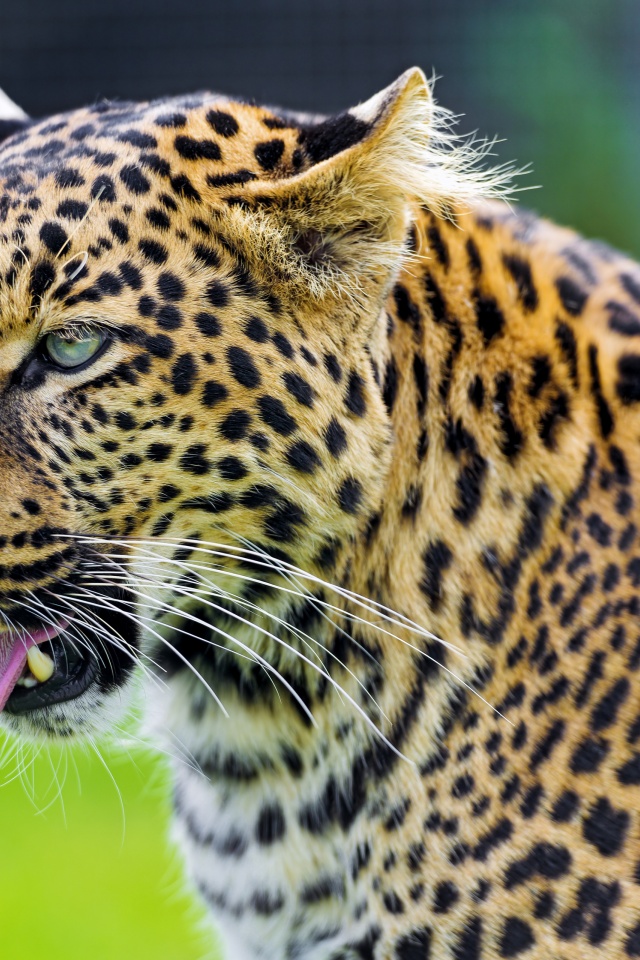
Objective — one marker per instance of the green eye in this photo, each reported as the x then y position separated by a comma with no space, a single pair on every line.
73,350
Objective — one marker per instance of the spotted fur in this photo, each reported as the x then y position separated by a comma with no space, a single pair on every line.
357,469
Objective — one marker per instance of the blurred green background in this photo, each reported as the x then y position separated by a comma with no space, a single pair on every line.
86,869
558,79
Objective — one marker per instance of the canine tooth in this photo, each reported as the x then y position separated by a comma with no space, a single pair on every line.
40,664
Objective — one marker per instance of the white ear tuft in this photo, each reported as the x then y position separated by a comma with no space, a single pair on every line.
10,110
424,156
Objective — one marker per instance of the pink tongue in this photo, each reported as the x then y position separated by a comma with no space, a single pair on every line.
13,655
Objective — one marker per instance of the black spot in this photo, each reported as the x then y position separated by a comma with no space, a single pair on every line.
223,123
217,294
299,388
412,501
565,806
606,710
267,903
390,388
230,179
540,376
516,937
588,755
153,251
631,284
545,746
622,320
269,153
333,367
138,139
629,773
168,317
469,488
498,835
335,438
256,330
406,309
159,452
170,286
274,413
512,439
134,179
392,902
184,188
283,345
436,559
193,460
355,400
572,296
567,341
468,943
190,149
520,270
476,392
280,525
103,188
599,530
53,236
591,914
271,825
628,383
213,393
42,276
415,945
632,943
473,255
489,317
605,827
604,413
175,120
243,368
421,377
350,495
72,209
235,425
208,324
183,373
547,860
68,177
438,246
556,411
303,457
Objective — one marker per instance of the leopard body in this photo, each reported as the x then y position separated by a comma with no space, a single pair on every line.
365,454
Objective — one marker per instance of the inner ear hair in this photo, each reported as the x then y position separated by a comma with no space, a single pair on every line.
338,229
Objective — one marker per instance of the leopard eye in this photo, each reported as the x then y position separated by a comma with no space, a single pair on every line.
69,351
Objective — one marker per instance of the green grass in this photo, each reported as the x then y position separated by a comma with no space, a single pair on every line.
79,882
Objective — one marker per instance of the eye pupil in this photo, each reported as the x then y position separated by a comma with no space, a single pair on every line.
68,351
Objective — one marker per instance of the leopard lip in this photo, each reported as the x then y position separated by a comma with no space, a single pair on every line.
14,649
73,674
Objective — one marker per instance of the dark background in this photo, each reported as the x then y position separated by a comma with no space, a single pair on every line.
558,79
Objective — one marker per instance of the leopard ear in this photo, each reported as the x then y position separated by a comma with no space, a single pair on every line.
12,118
338,229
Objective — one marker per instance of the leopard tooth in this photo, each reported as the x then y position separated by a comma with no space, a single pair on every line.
40,664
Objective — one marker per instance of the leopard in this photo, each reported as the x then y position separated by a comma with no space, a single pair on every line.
321,450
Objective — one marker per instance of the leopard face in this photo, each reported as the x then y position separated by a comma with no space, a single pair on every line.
185,357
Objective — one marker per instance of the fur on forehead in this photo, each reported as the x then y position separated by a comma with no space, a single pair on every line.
319,207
